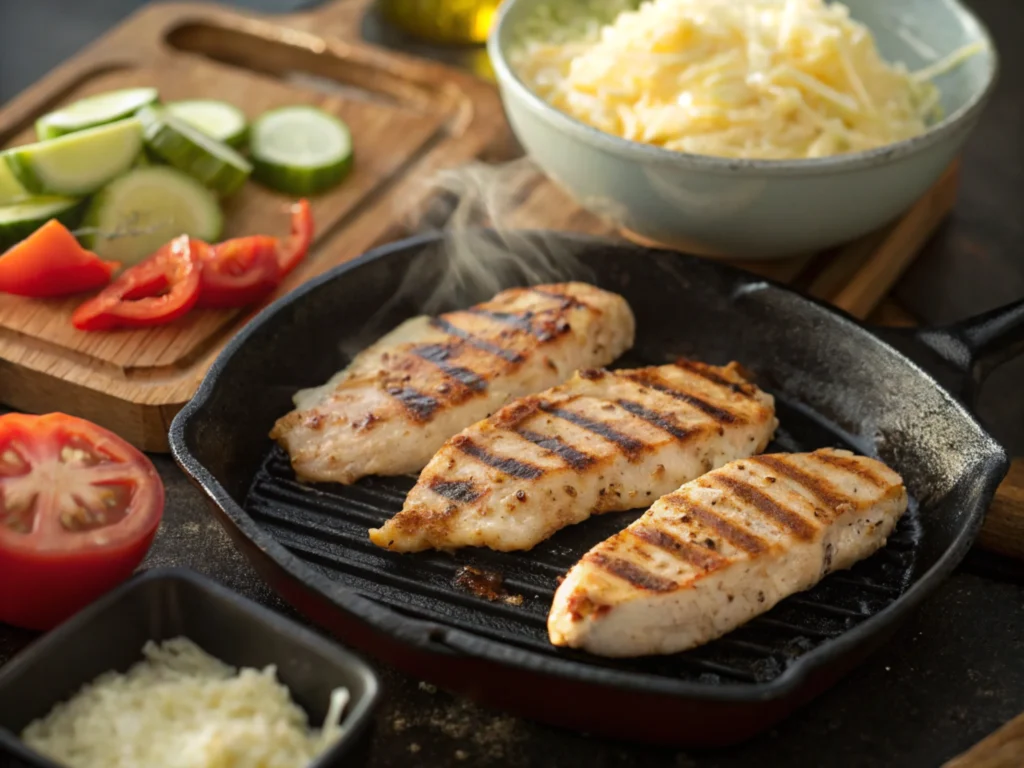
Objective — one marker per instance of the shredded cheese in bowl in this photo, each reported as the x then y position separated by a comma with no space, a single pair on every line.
766,79
182,708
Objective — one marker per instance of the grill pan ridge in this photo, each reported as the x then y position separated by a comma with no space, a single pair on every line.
835,382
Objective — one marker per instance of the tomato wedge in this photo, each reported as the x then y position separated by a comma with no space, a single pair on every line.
238,272
50,262
294,249
158,290
79,508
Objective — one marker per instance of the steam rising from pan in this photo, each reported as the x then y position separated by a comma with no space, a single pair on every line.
475,264
462,201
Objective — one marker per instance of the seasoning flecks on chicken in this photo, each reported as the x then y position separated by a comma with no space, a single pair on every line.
723,549
401,398
604,441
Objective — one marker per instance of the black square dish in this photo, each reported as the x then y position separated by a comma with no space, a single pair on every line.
162,604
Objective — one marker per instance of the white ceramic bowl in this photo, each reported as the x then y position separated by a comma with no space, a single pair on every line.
760,208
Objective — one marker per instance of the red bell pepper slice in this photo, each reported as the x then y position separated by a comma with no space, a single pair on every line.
242,271
294,249
50,262
238,272
156,291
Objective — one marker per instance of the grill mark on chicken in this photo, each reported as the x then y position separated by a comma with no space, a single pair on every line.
628,445
553,328
509,466
515,413
683,550
820,488
438,355
420,406
660,421
571,456
567,301
455,490
474,341
851,465
634,574
520,321
547,328
701,370
791,521
736,535
652,380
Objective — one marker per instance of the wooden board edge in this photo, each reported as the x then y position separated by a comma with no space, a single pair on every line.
1003,748
1003,529
900,247
144,426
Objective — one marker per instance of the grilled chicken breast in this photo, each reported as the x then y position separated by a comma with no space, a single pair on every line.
723,549
601,442
401,398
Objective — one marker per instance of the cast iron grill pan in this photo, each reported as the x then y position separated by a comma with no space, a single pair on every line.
326,526
835,383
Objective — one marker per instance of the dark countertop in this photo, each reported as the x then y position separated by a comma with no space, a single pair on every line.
956,671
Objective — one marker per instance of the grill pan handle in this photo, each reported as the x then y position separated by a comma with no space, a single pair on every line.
979,344
962,355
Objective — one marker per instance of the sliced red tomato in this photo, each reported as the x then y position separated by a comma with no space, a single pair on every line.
156,291
79,508
238,272
50,262
294,249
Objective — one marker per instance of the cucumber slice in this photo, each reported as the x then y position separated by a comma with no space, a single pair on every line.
94,110
217,119
11,190
138,213
19,220
177,143
78,163
300,150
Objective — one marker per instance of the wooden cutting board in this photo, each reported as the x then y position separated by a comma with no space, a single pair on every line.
408,118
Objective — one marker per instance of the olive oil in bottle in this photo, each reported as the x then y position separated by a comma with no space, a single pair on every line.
442,21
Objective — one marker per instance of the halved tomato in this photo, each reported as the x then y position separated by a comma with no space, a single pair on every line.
79,508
